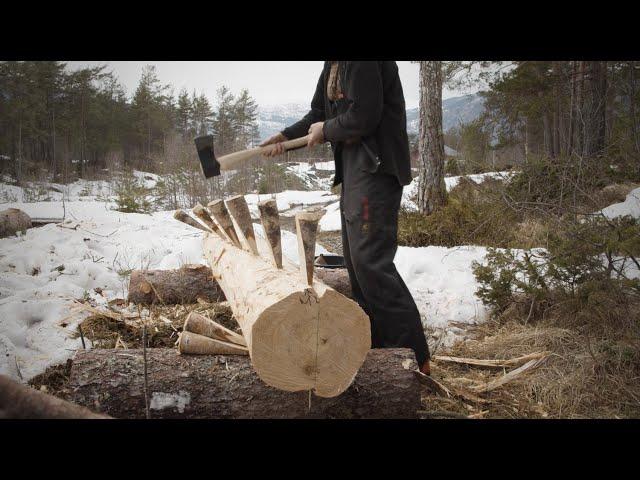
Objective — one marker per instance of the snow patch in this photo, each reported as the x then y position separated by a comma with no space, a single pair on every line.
630,206
162,400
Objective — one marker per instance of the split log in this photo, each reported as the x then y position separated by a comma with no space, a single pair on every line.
221,214
306,231
239,210
202,213
191,282
184,285
270,219
12,221
202,325
185,218
19,401
194,344
300,337
222,387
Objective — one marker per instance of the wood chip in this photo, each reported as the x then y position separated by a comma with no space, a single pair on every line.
510,376
514,362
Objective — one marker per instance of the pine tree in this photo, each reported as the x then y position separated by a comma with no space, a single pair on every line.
245,120
202,114
184,112
148,108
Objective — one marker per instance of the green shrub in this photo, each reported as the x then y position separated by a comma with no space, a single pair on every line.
131,195
583,260
451,167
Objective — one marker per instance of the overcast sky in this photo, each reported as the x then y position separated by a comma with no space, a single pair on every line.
270,83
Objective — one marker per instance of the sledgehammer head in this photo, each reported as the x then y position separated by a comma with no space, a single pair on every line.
208,161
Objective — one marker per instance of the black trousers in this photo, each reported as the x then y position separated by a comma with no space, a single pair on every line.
369,204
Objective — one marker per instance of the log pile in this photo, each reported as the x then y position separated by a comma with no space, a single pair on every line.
300,333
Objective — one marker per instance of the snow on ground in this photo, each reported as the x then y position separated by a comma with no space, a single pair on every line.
630,206
443,285
44,269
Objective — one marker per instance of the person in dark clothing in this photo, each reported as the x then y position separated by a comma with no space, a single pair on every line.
359,108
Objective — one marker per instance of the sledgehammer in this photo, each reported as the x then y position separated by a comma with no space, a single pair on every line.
212,166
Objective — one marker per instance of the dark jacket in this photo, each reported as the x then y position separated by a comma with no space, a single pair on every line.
372,112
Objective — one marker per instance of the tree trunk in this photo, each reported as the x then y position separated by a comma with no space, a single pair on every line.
225,386
184,285
19,401
187,284
432,192
300,336
12,221
594,108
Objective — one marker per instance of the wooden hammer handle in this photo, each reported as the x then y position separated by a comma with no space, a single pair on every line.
231,161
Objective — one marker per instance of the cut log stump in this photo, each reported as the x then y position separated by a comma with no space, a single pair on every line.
12,221
184,285
223,387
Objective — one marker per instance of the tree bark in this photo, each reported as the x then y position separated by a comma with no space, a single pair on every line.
300,336
594,108
13,221
184,285
187,284
432,192
225,386
19,401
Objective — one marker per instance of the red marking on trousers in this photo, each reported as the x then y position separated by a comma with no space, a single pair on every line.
365,208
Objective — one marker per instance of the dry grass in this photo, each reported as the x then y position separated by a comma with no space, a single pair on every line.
592,370
164,323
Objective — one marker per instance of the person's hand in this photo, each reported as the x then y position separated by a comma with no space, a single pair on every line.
275,140
317,135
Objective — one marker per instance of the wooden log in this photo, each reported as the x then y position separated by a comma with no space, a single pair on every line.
300,337
19,401
336,278
221,214
184,285
12,221
239,210
223,387
184,217
202,213
187,284
202,325
195,344
306,230
271,223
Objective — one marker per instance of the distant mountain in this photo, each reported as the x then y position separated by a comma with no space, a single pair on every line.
455,110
